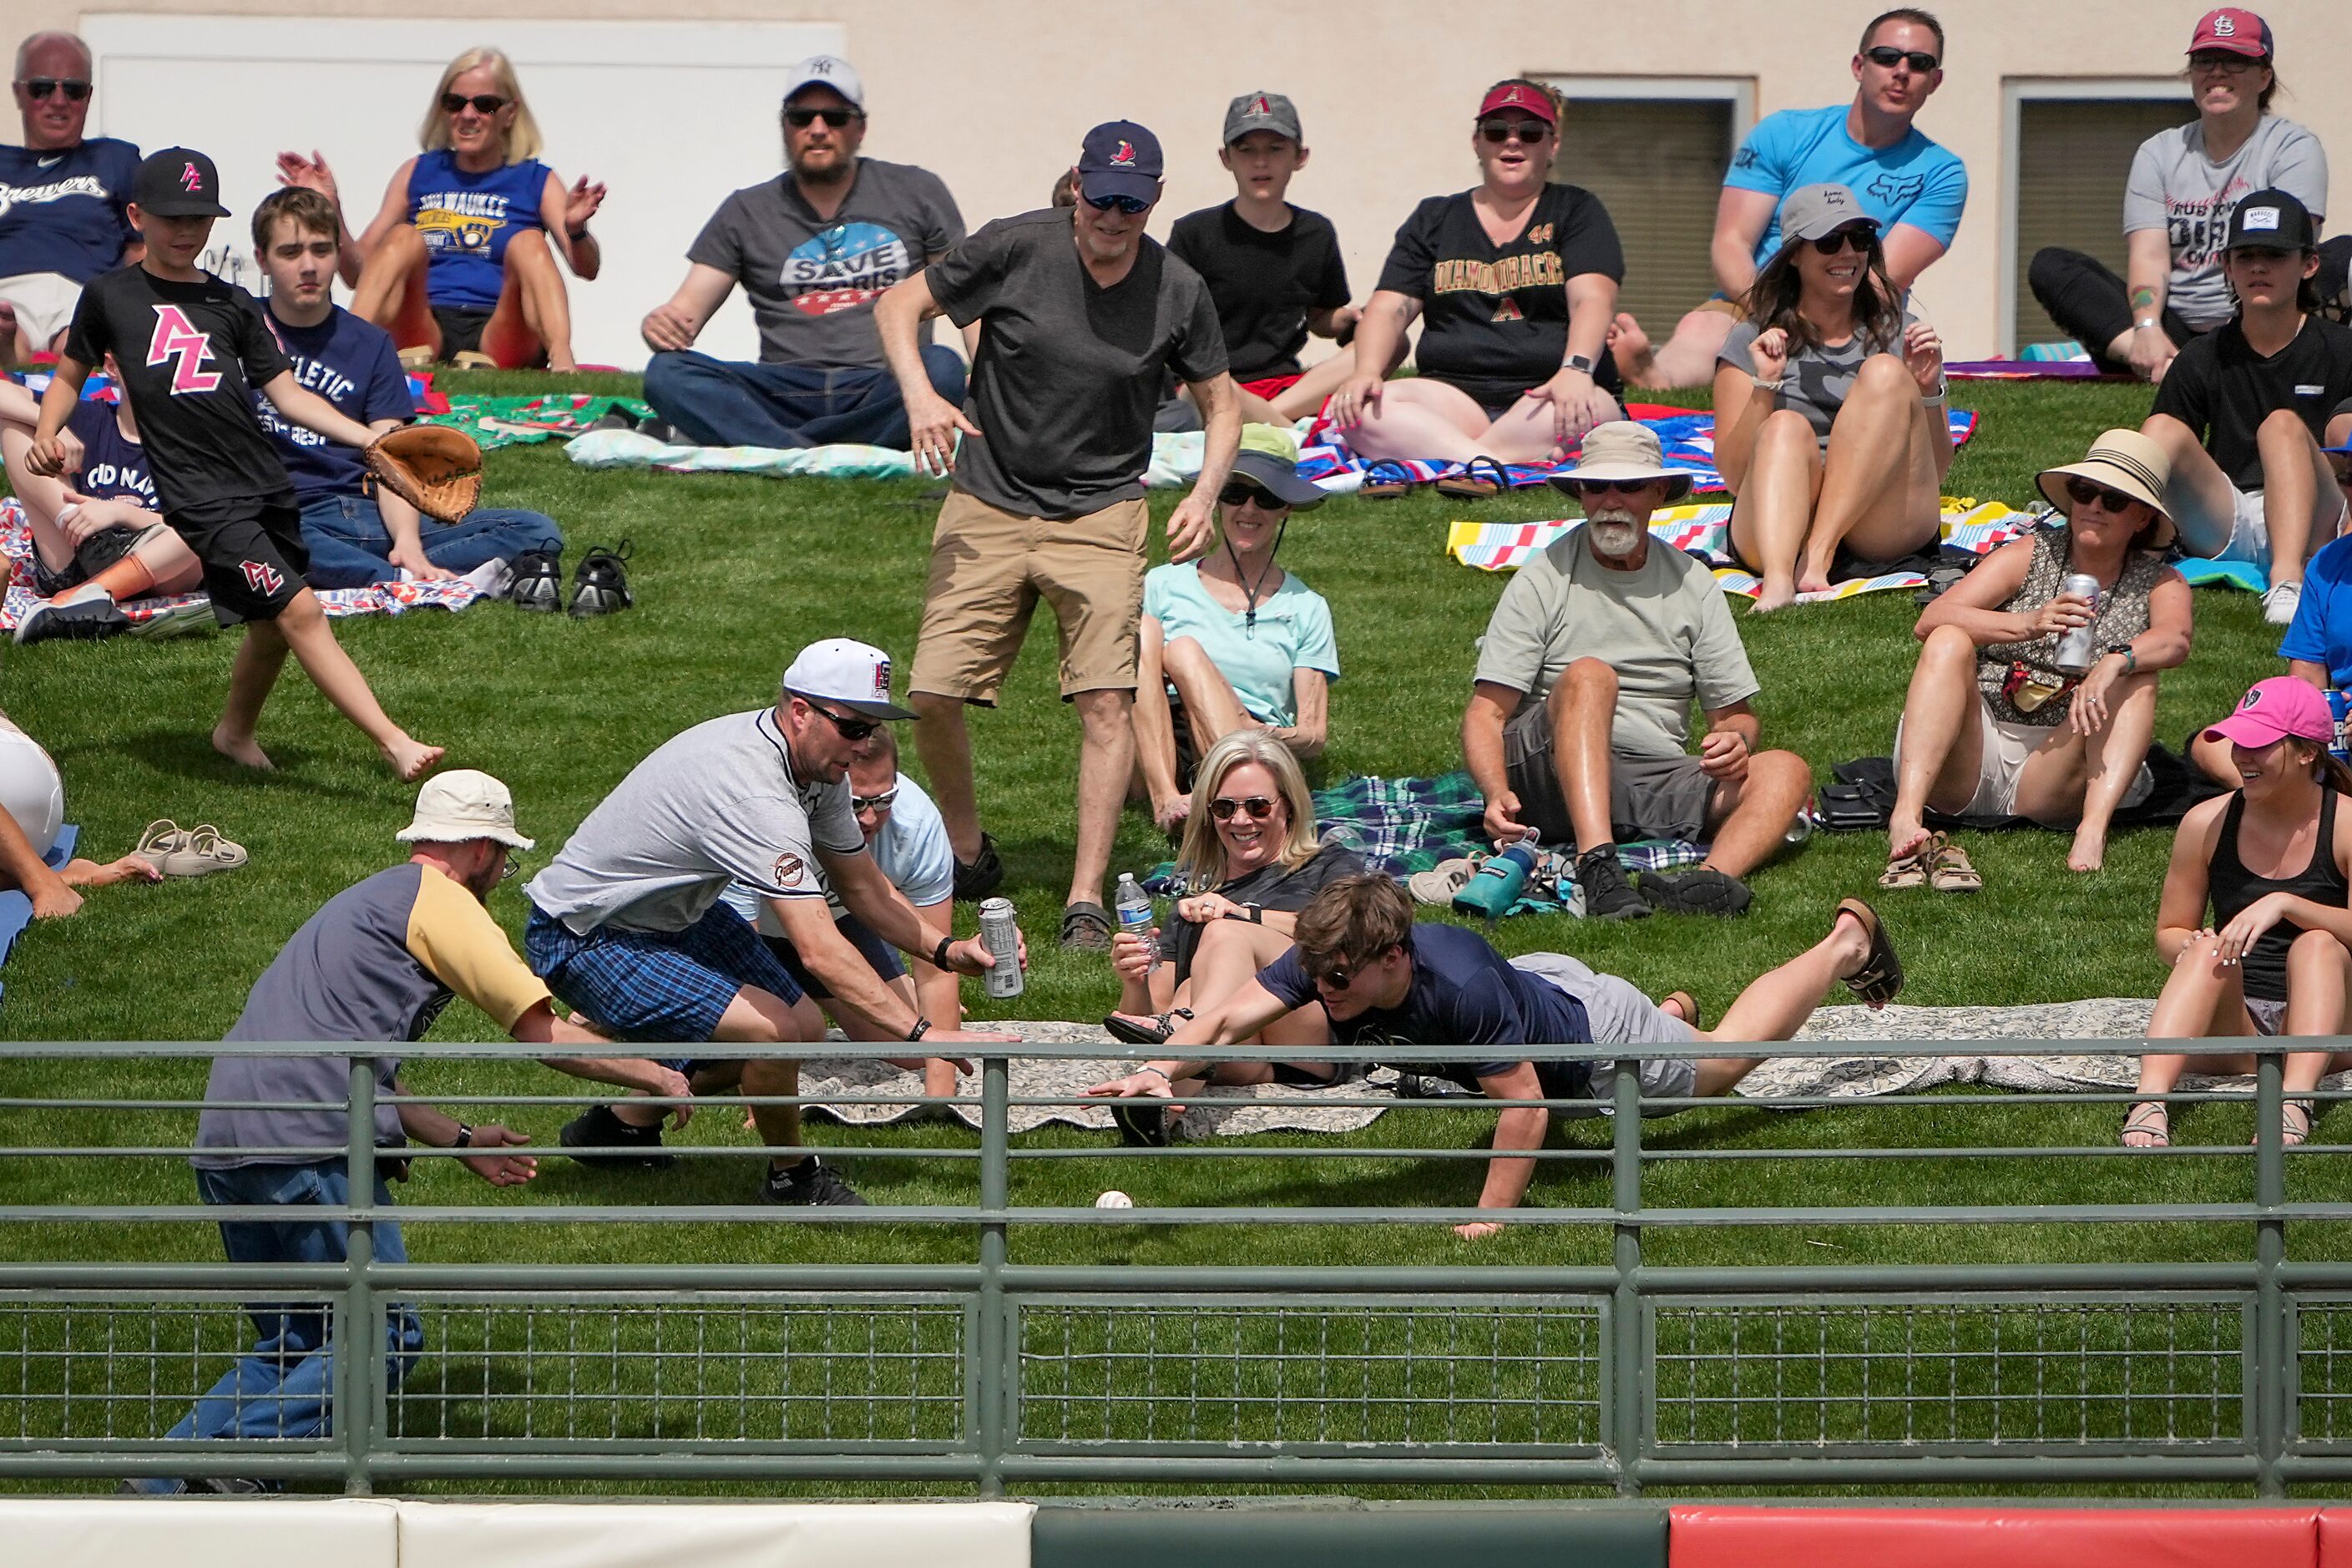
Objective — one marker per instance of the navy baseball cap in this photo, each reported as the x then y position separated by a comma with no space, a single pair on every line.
1120,158
178,181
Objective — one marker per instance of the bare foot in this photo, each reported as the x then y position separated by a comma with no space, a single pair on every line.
80,873
1901,844
1629,345
411,760
1774,596
2089,853
1812,582
242,749
55,902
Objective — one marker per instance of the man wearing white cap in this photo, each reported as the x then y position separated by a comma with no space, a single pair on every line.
628,925
813,249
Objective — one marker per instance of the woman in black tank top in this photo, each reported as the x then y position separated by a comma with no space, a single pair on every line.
2272,858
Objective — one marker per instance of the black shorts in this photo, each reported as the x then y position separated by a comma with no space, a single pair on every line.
863,937
461,329
95,554
253,555
1649,797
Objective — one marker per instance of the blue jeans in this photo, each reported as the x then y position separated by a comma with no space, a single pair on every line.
721,402
350,548
283,1387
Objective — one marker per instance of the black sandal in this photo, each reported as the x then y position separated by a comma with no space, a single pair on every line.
1481,478
1130,1032
1880,979
1385,479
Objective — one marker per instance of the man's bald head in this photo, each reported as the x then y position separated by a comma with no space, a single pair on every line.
53,54
56,118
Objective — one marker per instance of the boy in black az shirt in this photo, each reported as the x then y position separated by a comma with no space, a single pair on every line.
190,347
2242,410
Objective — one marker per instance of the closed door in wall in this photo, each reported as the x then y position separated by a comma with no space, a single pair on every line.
2073,156
1657,164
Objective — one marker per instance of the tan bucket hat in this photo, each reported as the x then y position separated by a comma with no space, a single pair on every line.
1625,450
463,805
2127,463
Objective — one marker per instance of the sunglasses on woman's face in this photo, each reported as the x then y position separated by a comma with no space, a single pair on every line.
1887,58
1241,492
801,119
1501,130
483,102
1128,205
1258,805
1853,237
2083,492
73,88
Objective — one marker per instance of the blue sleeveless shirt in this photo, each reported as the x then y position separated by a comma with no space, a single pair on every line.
466,221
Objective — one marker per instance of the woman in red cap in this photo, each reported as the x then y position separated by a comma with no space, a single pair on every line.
2273,858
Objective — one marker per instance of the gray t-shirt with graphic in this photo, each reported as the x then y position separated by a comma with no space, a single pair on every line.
812,281
1819,380
2177,187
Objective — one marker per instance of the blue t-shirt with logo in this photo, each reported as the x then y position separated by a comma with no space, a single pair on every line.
352,364
113,466
62,211
1914,182
466,221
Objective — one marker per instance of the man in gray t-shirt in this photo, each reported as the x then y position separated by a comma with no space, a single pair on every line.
1082,316
813,248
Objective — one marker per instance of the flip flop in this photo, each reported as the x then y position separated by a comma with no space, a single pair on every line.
1480,478
1689,1013
1880,979
1386,480
1155,1033
1949,870
1908,868
2151,1119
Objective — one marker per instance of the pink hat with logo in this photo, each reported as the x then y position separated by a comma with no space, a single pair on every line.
2274,709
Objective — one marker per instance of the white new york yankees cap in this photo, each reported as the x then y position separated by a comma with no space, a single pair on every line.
827,71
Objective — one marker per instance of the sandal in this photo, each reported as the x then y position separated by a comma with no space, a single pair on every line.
1908,867
1480,478
2294,1111
1127,1029
1880,979
1085,928
1386,480
1684,1005
164,836
201,852
1949,870
2151,1119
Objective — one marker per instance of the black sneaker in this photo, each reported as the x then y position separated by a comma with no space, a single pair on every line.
981,877
598,1128
1701,890
614,418
669,435
809,1185
85,622
600,586
538,582
1607,896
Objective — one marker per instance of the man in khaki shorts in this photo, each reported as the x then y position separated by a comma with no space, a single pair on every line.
1083,317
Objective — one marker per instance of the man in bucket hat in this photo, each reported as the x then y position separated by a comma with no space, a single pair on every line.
1579,723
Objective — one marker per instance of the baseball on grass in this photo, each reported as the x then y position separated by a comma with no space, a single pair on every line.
1114,1199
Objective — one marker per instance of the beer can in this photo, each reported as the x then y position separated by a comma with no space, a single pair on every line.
2079,649
1000,932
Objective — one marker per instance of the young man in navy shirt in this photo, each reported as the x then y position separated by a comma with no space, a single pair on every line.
355,538
1382,979
62,198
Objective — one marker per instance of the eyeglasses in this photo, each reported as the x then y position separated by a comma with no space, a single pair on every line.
1888,58
801,119
1258,806
1241,492
851,729
1853,236
1128,205
1501,130
2083,492
74,88
483,102
2227,63
883,802
507,871
1606,487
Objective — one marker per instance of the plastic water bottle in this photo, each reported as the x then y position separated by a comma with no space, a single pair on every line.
1134,907
1499,882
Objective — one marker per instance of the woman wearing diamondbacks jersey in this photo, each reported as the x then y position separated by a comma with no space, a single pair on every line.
194,349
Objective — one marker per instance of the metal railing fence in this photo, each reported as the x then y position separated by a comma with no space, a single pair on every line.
986,1373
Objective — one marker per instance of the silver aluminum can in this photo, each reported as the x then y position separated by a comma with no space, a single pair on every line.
2079,649
1000,932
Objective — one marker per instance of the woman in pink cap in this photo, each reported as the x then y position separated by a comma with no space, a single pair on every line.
2274,861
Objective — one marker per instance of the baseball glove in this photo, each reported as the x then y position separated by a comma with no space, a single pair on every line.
434,469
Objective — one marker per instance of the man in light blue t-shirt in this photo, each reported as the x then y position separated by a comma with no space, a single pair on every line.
1915,189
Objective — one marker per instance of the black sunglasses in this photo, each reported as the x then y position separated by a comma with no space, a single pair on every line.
1258,806
483,102
883,802
1853,236
1501,130
851,729
1336,978
1918,59
74,88
801,119
2084,492
1241,492
1129,204
1603,487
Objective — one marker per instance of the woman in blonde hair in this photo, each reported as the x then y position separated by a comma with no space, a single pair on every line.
459,261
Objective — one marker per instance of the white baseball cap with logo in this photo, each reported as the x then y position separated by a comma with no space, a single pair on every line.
843,673
461,806
826,70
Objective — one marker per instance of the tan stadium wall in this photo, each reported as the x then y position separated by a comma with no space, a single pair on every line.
993,95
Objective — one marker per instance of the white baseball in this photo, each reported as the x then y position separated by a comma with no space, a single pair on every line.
1114,1199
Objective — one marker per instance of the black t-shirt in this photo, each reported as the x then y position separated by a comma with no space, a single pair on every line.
1495,317
1068,373
1461,994
2220,388
1282,888
191,356
1263,284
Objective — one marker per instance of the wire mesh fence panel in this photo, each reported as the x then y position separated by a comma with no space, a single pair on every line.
106,1370
2322,1348
1439,1373
1959,1372
505,1370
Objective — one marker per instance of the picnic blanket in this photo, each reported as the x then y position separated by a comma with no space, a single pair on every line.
495,422
377,599
1175,456
16,905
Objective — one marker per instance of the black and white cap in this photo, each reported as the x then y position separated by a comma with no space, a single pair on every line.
2271,220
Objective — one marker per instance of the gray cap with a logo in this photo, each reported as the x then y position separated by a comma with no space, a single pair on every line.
1261,111
1816,212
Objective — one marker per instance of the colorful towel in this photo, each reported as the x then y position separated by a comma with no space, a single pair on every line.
495,422
2029,370
16,905
1175,457
100,388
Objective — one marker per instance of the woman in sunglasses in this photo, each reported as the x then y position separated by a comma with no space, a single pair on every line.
1250,861
1231,641
1515,282
459,262
1994,725
1829,406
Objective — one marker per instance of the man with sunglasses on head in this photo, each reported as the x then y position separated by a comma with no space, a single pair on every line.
1081,313
628,924
813,249
63,198
1914,187
1578,721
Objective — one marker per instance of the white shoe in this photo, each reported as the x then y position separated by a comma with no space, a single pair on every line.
2279,603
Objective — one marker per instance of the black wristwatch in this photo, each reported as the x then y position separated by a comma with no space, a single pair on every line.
940,954
465,1137
923,1026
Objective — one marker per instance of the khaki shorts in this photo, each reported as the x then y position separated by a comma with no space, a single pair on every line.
44,303
2004,748
989,568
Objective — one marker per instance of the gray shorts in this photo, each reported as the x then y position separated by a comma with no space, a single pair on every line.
1620,1014
1649,797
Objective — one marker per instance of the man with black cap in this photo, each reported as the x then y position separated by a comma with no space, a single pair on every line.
1082,314
2243,410
628,925
814,249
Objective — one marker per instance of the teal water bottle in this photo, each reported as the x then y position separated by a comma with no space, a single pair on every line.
1499,882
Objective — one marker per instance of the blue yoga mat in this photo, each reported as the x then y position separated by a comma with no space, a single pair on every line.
16,907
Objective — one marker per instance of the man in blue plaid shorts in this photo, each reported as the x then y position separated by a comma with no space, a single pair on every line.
628,928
